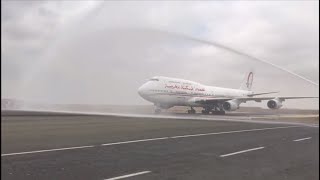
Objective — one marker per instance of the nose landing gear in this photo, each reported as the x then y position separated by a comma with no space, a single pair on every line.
157,110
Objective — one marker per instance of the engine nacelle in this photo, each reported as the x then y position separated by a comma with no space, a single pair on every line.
274,104
230,105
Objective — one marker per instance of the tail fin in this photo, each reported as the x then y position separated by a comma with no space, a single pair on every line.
247,81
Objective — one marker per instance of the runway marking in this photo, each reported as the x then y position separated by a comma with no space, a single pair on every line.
317,126
302,139
129,175
193,135
239,152
151,139
236,131
46,150
134,141
248,119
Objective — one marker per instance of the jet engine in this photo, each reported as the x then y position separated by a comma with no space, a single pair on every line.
274,104
230,105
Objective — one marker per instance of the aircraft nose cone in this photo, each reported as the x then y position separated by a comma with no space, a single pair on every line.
141,90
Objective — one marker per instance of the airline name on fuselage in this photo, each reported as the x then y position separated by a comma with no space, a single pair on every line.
190,88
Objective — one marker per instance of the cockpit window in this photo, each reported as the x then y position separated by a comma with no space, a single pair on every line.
154,79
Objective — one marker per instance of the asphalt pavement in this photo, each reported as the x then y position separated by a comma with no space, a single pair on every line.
108,147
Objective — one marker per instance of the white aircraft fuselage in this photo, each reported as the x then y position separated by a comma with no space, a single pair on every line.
166,92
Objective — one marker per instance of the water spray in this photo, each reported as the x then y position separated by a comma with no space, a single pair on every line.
235,52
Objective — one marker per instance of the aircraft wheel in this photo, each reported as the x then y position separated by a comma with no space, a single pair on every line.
157,111
205,112
214,112
218,112
192,111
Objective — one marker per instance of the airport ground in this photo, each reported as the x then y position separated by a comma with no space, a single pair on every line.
64,146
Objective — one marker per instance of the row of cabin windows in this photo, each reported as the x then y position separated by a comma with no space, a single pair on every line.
156,90
174,82
208,94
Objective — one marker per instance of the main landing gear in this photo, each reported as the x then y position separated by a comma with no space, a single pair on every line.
216,110
220,112
157,109
206,111
191,111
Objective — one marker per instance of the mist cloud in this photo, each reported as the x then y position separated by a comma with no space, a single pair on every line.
100,53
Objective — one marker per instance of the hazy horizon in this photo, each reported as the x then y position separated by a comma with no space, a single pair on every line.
94,52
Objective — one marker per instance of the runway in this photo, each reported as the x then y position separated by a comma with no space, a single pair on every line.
111,147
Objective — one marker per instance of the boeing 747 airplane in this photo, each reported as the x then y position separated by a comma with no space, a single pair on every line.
166,92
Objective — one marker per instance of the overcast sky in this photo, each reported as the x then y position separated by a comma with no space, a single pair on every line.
100,52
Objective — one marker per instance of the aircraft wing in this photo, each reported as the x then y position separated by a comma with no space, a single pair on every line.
257,94
244,99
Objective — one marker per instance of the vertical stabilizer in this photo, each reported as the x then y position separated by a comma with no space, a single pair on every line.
247,81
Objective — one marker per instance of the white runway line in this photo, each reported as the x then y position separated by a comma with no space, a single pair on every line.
239,152
231,132
245,119
193,135
152,139
128,175
134,141
317,126
47,150
302,139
